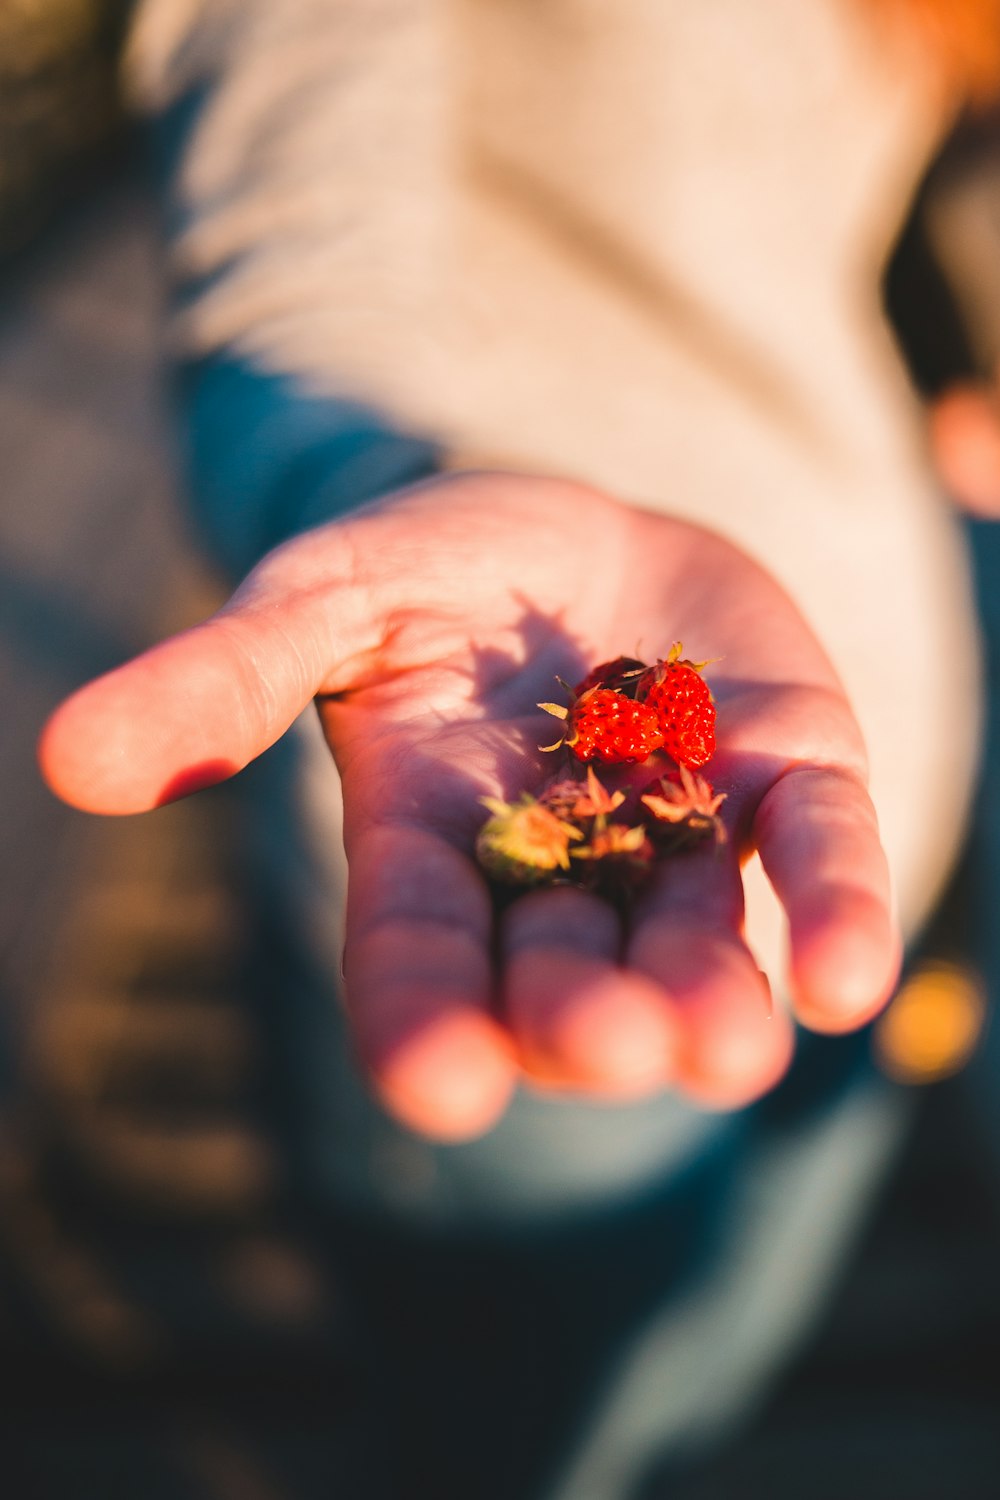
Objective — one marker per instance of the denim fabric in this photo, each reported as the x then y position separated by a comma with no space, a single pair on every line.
267,460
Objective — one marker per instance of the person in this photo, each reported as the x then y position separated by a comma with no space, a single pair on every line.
510,337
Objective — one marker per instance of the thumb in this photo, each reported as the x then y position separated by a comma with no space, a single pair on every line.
201,705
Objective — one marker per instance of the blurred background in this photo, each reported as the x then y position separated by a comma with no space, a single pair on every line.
170,1321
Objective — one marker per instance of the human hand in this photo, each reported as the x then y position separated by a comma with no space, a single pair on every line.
427,627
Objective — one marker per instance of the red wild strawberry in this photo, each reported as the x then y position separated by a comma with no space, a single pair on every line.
620,674
604,725
680,696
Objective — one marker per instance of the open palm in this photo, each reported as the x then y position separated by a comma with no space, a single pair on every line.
427,627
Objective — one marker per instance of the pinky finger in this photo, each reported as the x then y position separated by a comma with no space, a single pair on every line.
817,835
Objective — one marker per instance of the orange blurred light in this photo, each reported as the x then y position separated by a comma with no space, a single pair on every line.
962,36
933,1026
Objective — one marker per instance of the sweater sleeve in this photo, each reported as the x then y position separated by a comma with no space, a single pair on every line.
269,145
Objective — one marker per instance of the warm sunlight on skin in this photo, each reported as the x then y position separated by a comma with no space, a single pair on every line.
429,626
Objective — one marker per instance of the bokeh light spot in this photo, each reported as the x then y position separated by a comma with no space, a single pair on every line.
933,1026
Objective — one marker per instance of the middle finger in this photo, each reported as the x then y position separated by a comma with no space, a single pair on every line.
579,1020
